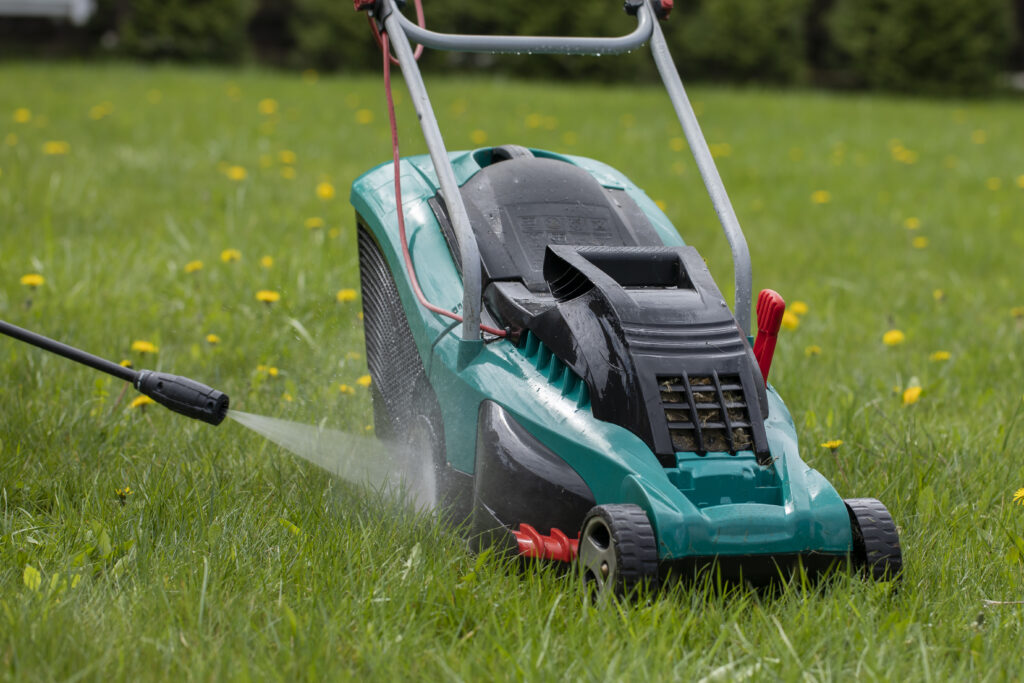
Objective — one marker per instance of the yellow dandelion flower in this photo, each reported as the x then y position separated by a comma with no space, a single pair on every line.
126,363
272,371
1018,496
287,172
1017,312
22,115
979,137
236,173
720,149
193,266
230,255
790,320
660,203
833,444
903,155
268,296
346,389
911,395
333,233
123,493
266,262
478,137
141,402
10,139
994,184
314,222
143,346
233,91
364,381
1020,181
99,111
920,242
212,339
353,355
534,120
359,315
346,295
893,338
33,280
912,223
368,428
286,156
677,144
364,117
56,147
286,397
938,294
31,578
324,190
799,307
821,197
812,350
939,356
267,106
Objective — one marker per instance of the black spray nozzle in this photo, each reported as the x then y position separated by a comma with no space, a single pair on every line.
180,394
183,395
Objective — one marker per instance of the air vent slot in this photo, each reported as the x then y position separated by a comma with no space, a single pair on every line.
557,373
706,413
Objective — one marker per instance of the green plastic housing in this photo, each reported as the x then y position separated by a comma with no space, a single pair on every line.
706,506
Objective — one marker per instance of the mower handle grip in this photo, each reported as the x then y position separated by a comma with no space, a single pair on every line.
563,45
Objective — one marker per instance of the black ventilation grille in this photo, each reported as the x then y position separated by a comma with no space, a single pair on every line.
706,413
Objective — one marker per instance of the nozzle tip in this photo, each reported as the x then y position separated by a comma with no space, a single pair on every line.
184,396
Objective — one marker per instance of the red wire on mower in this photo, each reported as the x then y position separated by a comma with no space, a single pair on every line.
385,50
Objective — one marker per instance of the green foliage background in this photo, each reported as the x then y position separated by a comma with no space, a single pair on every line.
920,46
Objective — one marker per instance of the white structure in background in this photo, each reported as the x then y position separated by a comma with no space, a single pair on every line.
77,11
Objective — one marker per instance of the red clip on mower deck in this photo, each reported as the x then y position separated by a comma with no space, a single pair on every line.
567,369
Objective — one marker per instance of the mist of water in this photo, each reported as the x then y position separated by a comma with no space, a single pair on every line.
356,458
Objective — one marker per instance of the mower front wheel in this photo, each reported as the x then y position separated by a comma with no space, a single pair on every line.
617,551
876,542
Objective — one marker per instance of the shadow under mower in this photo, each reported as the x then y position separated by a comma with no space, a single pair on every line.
563,367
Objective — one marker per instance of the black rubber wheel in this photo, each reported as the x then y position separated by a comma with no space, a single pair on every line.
876,542
617,552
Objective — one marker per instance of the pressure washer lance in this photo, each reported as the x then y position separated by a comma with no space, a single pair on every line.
180,394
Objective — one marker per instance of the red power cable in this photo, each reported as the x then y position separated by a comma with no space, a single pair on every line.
385,50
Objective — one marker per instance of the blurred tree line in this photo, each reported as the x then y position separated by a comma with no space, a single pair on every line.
923,46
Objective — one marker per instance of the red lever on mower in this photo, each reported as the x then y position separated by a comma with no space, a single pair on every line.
770,307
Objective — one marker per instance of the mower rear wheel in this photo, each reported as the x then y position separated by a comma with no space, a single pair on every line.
617,551
876,542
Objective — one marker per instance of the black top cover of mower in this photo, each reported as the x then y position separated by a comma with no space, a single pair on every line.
644,325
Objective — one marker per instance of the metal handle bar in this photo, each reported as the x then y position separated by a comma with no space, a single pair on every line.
531,44
398,27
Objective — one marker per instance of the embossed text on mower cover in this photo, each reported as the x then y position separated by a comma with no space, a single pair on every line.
563,364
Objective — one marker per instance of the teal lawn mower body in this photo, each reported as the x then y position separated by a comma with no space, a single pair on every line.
622,419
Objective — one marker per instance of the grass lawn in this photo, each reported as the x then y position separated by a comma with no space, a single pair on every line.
230,559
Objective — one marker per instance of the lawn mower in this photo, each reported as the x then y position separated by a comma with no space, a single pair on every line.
563,365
